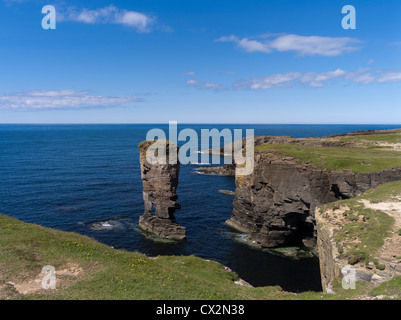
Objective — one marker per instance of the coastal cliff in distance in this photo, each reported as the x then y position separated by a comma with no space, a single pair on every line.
276,203
160,182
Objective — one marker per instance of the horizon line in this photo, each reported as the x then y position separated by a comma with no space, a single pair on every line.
191,123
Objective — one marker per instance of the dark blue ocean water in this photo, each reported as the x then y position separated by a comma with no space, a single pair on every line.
73,177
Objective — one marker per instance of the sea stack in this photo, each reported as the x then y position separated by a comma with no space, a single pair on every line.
160,182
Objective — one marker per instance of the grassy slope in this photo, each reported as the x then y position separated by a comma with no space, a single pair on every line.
390,138
117,274
368,156
110,273
368,226
339,158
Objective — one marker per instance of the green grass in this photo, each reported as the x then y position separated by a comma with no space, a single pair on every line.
369,227
390,138
389,288
386,192
364,230
338,158
117,274
110,273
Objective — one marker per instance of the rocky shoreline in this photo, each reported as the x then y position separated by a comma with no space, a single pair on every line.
277,202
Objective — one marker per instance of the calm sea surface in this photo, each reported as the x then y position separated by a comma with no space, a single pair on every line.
86,179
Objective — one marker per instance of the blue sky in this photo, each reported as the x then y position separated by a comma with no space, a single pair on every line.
218,61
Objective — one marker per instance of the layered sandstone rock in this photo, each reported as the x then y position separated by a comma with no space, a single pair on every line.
160,182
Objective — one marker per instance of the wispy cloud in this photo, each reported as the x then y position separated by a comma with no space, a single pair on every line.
270,81
204,85
395,43
371,62
59,99
361,76
246,44
190,73
316,80
303,45
108,15
390,77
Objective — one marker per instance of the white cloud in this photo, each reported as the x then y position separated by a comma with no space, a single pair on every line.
109,14
371,61
246,44
270,81
133,19
389,77
362,76
58,99
312,79
330,75
303,45
190,73
316,80
204,85
316,84
314,45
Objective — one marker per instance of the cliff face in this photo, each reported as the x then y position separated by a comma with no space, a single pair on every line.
160,182
347,184
359,237
276,203
330,264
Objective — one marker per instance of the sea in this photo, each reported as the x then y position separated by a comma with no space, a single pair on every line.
86,179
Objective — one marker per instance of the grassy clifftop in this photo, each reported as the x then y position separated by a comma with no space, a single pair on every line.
87,269
339,158
365,153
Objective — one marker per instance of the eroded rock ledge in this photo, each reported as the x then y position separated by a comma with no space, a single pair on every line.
160,182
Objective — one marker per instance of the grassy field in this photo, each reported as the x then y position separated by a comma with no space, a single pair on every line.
338,158
390,138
